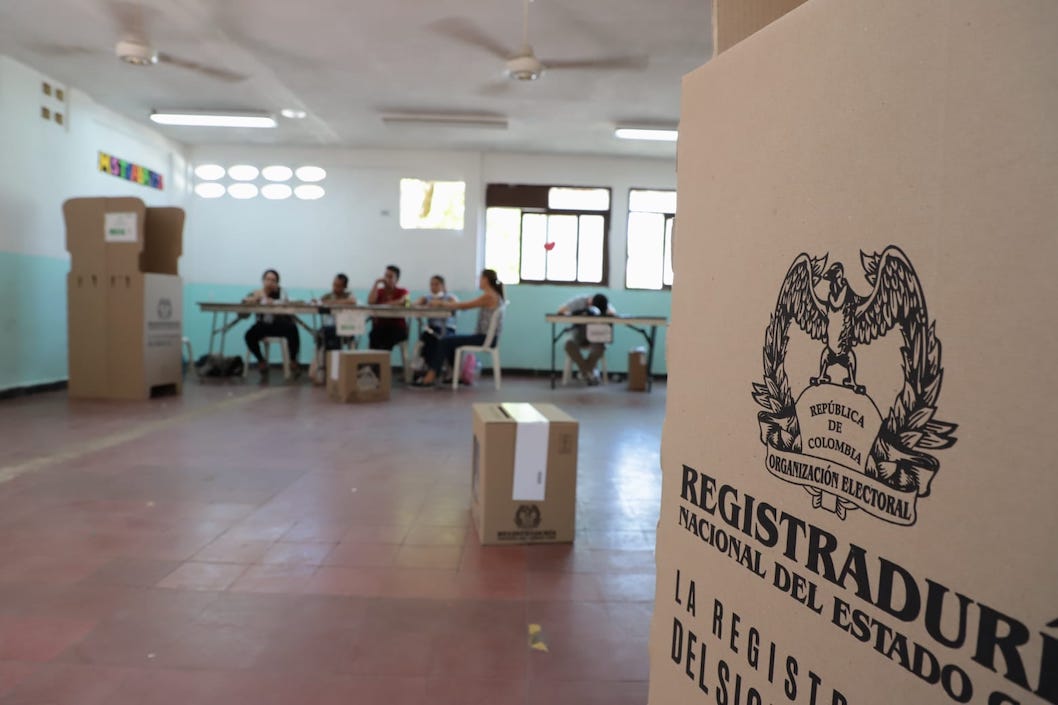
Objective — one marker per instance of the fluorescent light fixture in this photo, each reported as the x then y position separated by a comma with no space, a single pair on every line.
243,172
495,122
209,189
311,173
277,173
192,118
242,191
309,192
276,192
293,113
652,134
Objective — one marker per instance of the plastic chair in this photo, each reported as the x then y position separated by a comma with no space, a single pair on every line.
190,355
283,348
486,347
567,371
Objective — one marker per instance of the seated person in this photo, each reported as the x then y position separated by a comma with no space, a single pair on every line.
440,327
269,326
489,304
436,328
597,305
387,332
327,337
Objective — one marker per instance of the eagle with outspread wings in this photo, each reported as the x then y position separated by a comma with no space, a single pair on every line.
842,320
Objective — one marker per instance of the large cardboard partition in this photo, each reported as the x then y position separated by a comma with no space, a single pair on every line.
859,488
124,298
357,376
524,483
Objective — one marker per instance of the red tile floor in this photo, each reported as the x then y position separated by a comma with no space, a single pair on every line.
261,545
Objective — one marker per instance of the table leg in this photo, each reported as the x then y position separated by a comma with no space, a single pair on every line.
223,332
554,340
212,333
650,358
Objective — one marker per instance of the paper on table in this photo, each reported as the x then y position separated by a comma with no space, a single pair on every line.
530,452
119,227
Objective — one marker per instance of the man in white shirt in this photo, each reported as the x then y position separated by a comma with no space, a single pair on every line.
597,305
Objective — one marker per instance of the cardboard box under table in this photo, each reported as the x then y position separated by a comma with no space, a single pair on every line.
355,376
637,370
524,474
124,298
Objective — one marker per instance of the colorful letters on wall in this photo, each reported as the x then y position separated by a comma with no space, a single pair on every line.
130,172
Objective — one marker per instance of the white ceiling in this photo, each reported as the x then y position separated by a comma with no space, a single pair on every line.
348,61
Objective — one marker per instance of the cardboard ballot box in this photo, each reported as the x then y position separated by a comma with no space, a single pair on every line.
637,370
524,473
124,298
858,483
355,376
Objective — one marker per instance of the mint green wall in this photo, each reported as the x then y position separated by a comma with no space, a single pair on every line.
32,319
525,342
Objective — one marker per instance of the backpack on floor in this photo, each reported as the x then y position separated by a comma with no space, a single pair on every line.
219,366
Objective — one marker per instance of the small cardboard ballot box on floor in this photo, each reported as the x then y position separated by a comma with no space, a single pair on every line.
859,494
356,376
124,298
637,370
524,474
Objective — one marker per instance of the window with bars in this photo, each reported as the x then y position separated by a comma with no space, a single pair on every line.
651,215
553,234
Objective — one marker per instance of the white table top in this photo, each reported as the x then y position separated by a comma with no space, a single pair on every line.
295,308
618,320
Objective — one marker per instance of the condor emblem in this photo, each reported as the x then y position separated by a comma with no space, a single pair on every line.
831,438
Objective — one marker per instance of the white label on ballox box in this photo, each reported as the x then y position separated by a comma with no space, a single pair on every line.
530,452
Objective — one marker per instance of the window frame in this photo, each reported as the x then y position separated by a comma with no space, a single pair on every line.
667,217
536,201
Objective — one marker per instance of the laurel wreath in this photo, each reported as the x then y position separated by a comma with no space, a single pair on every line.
900,457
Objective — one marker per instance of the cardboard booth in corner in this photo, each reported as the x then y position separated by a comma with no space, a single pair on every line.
859,488
124,298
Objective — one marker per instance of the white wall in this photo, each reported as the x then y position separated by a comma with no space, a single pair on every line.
46,163
356,227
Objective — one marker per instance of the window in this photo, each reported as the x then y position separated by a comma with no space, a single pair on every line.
547,233
432,205
650,218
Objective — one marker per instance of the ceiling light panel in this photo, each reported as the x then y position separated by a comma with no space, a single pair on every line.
199,119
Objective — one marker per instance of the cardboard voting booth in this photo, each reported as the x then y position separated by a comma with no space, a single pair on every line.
859,494
357,376
124,298
524,474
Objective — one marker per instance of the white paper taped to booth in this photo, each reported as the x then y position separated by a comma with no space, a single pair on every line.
530,452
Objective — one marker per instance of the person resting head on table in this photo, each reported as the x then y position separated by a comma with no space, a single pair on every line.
597,305
387,332
489,304
269,325
438,327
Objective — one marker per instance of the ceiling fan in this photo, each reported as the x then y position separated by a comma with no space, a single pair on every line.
523,65
135,48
